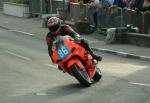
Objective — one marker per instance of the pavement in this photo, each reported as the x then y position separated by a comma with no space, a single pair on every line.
33,27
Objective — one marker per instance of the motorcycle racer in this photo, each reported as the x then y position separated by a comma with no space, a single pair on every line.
56,27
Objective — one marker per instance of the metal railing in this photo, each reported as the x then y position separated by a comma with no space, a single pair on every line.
110,17
137,19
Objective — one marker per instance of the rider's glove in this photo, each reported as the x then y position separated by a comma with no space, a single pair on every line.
77,39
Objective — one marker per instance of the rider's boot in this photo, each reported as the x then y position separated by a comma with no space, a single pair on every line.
97,57
86,46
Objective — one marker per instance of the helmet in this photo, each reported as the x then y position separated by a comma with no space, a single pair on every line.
53,24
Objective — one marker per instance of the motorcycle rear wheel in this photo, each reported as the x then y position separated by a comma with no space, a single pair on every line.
81,76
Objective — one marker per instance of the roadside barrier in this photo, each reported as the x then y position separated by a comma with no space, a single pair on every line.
73,12
147,23
138,19
109,17
131,17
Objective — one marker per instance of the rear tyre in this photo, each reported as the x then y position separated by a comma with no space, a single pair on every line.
81,76
98,75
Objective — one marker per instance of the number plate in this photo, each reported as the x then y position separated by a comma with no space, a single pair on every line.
63,52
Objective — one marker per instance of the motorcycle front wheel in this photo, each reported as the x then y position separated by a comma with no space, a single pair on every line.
98,75
81,75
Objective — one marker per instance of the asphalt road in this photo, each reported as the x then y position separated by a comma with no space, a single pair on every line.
28,76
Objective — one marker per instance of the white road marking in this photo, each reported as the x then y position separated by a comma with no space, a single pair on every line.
50,65
140,84
17,55
40,94
145,57
1,31
122,53
92,41
22,32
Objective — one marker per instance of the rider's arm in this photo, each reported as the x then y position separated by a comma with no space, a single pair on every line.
71,32
50,51
49,44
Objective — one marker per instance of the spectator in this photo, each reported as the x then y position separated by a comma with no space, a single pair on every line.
118,3
47,3
104,12
137,4
127,3
71,9
130,3
105,3
115,12
111,1
146,6
146,9
85,1
95,6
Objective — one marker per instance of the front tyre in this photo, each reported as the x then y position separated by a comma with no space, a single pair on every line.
81,75
98,75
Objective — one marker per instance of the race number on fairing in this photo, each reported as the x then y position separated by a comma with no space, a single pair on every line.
63,52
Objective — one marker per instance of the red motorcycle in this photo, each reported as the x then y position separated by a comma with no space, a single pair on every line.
75,60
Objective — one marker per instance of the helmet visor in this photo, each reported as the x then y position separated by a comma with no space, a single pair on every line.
54,28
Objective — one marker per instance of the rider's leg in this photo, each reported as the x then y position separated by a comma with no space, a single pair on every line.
86,46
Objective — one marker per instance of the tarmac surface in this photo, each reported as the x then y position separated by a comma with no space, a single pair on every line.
33,27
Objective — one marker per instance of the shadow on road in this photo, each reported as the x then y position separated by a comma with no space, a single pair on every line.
64,90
